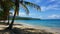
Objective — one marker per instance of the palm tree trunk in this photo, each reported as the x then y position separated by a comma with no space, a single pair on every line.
11,25
16,12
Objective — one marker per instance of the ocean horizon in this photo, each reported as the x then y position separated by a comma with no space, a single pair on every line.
55,23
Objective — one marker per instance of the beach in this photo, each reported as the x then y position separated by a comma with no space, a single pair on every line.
32,29
47,29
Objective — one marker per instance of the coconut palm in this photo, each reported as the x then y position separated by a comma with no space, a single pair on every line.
8,4
23,3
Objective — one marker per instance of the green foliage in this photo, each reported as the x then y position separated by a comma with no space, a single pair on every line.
7,5
1,14
31,4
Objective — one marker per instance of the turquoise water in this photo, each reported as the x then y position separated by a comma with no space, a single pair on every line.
48,23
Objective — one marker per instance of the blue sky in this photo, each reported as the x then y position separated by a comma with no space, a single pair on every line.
50,9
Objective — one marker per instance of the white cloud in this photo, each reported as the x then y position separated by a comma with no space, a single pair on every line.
54,7
54,16
22,14
33,15
50,7
43,8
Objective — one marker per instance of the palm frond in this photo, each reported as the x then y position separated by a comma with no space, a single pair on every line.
25,7
31,4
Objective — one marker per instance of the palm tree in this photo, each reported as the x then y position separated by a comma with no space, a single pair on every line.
23,3
15,3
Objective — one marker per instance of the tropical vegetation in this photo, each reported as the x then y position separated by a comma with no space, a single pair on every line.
7,5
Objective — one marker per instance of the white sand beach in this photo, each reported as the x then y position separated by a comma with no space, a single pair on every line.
38,29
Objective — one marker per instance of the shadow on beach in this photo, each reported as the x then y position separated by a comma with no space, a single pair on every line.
24,31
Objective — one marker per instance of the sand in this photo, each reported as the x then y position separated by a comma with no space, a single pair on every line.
32,29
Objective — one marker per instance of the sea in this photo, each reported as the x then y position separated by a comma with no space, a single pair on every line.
54,23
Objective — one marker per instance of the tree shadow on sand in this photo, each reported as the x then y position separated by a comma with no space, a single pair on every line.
23,31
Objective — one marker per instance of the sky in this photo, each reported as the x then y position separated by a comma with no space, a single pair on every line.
50,9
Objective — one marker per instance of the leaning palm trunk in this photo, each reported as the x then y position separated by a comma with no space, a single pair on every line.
11,25
16,12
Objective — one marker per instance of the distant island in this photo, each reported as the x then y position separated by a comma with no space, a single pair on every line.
23,18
